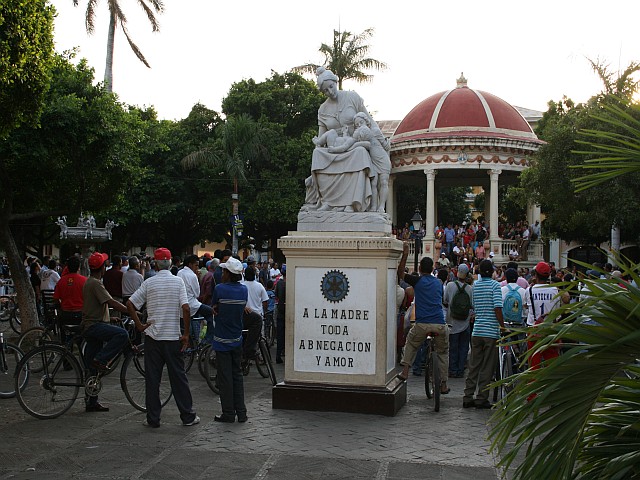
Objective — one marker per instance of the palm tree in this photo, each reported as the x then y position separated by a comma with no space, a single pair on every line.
241,142
347,57
584,421
117,16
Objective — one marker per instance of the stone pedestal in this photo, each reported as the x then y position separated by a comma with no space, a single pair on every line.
341,323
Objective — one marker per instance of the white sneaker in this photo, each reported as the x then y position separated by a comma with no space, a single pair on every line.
195,421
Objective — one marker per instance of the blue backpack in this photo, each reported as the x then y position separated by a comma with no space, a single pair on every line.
512,305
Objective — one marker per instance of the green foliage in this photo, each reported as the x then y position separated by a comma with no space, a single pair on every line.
347,57
583,216
584,421
452,207
26,52
81,157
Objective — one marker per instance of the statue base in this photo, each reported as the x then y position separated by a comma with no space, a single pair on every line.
341,323
337,398
332,221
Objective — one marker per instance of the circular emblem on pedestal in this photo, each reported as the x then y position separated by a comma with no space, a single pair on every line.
463,157
334,286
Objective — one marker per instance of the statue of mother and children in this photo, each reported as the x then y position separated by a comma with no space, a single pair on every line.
350,165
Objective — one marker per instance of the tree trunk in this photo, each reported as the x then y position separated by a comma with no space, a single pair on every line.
108,70
26,297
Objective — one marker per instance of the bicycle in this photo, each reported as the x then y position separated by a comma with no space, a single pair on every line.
49,378
10,312
432,379
263,363
508,363
270,328
10,357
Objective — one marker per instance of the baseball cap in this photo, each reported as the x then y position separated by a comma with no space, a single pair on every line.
463,271
251,260
162,254
491,254
543,269
96,260
233,265
207,255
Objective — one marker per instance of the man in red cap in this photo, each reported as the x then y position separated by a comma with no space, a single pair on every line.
541,298
96,327
166,298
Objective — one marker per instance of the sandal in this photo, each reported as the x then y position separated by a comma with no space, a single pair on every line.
402,377
444,392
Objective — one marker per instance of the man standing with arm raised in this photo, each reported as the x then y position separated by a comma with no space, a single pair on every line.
429,317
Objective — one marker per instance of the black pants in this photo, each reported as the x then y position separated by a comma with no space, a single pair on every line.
253,323
157,353
231,383
280,332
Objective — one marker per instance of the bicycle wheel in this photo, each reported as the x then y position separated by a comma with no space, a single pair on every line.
505,372
437,381
34,337
14,318
188,355
261,363
53,391
202,356
10,357
133,382
428,374
265,354
211,370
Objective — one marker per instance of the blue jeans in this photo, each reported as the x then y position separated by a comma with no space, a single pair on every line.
458,350
96,335
207,312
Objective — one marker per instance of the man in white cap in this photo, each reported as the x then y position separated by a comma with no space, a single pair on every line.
444,261
229,300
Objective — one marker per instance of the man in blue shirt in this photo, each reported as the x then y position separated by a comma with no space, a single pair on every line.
229,300
429,317
487,306
449,238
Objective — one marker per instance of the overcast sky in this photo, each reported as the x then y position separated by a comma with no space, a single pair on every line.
527,53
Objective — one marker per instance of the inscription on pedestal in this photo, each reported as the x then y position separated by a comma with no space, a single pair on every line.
335,315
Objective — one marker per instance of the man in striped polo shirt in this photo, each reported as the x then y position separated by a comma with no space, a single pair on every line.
487,305
166,299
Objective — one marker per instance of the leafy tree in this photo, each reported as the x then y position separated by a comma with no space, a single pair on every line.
452,207
240,142
26,52
86,144
286,105
117,16
347,57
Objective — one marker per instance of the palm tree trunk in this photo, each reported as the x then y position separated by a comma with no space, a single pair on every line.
234,211
108,70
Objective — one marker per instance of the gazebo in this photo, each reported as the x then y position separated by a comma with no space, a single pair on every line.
463,137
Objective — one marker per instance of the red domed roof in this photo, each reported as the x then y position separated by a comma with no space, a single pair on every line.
463,112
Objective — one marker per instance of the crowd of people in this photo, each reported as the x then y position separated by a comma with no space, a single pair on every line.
219,293
467,308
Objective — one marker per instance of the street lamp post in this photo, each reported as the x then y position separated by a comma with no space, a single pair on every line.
416,220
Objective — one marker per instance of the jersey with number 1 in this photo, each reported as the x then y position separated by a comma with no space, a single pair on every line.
541,299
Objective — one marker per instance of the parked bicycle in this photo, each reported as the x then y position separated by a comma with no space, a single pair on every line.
10,312
509,361
10,357
49,378
263,363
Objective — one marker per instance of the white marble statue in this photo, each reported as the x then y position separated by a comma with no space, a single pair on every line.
342,170
62,223
109,226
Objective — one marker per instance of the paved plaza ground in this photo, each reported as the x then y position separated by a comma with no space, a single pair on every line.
417,443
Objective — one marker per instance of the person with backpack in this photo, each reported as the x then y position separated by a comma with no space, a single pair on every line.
458,297
513,298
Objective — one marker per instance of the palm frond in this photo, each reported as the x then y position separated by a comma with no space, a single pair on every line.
584,421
